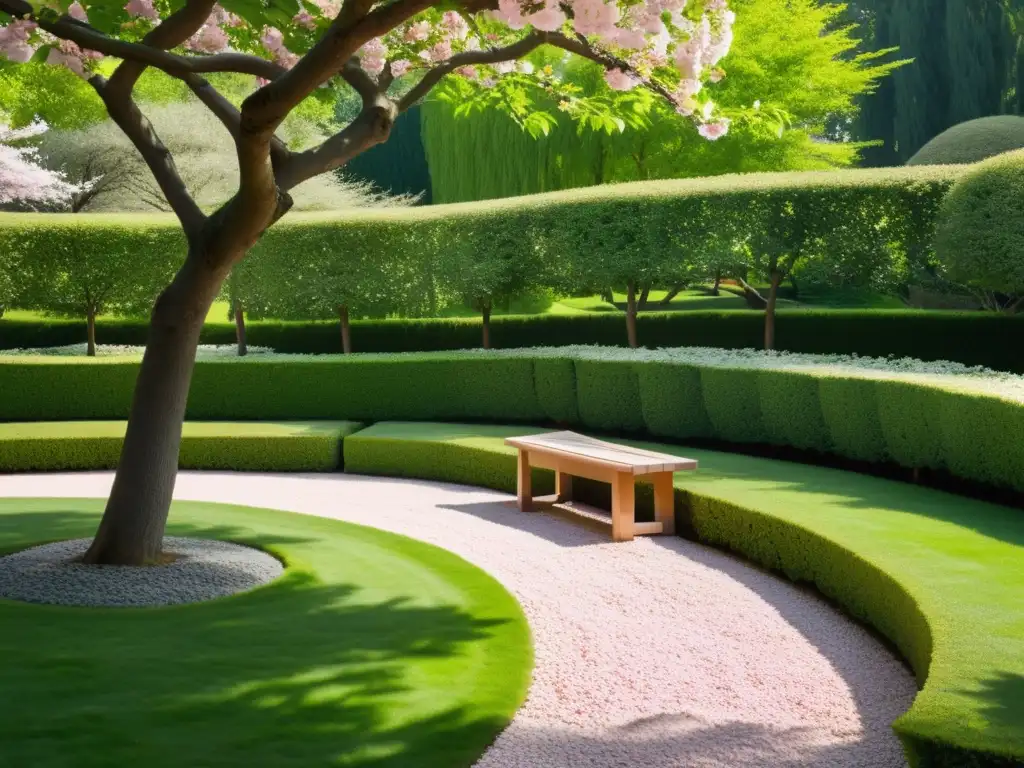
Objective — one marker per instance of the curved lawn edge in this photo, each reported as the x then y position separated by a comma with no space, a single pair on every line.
901,558
360,615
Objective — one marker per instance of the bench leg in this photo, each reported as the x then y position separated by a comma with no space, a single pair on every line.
524,487
623,515
563,486
664,502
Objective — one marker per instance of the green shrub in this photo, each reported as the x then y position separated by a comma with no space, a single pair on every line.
972,141
263,446
909,416
609,396
791,411
849,408
673,400
733,404
555,383
980,237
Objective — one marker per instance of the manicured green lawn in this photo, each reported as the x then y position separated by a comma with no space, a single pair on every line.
942,576
372,650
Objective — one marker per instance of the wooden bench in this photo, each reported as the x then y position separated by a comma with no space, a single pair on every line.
572,455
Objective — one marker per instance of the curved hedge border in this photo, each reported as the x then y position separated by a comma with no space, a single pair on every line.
312,446
913,423
937,575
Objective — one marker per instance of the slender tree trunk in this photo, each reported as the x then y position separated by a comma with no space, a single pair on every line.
90,332
631,314
486,312
346,330
718,282
754,299
240,336
608,295
132,529
676,290
645,294
769,311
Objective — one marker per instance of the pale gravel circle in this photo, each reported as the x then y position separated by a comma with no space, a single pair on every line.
658,653
204,569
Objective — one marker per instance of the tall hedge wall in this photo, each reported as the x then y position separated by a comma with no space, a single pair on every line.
904,420
970,338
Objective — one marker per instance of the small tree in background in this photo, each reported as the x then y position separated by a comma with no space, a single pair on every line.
488,269
23,180
84,272
297,273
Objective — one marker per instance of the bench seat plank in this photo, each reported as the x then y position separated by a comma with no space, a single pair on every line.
618,458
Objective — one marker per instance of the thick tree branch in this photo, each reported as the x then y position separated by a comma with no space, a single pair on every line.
372,126
125,113
361,82
468,58
171,32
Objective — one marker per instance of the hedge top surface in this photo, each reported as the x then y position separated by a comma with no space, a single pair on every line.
372,650
47,430
971,141
960,561
637,191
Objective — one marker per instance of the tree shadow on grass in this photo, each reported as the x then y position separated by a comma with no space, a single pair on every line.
297,673
1002,700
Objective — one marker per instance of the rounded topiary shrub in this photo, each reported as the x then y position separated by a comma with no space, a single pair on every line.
973,141
980,236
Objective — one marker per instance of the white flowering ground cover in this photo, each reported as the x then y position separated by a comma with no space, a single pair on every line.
941,373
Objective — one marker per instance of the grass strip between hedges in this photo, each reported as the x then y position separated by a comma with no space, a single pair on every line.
285,446
373,650
939,575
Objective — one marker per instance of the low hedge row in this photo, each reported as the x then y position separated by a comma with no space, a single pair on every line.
936,574
313,446
907,420
970,338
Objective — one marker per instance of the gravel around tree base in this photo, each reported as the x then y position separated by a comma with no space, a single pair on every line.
203,570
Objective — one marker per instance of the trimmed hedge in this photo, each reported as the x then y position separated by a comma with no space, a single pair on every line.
263,446
973,141
936,574
910,422
972,338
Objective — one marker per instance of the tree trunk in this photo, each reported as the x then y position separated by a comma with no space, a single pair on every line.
486,312
676,290
718,282
645,294
243,346
631,314
346,330
90,332
754,299
132,529
608,295
769,311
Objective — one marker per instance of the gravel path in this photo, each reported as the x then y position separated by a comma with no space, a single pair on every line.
658,653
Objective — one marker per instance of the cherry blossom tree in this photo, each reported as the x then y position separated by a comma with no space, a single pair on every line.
22,179
389,52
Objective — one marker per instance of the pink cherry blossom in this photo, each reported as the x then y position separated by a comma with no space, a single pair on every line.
594,17
417,32
510,12
468,72
209,39
454,25
630,38
373,56
714,130
550,18
305,19
142,9
620,81
58,58
400,67
504,67
441,51
14,39
77,12
328,8
22,179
